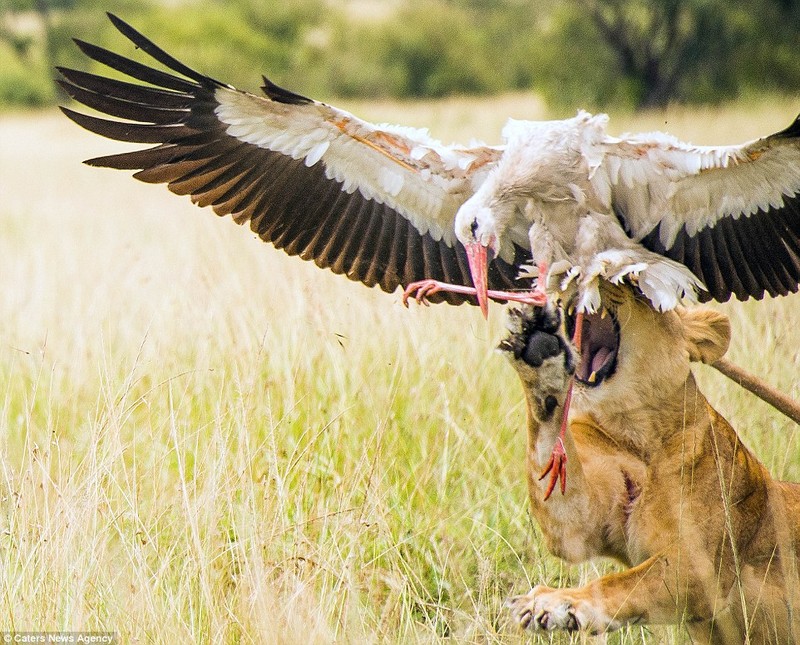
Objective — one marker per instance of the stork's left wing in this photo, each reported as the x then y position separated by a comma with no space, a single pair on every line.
730,214
375,203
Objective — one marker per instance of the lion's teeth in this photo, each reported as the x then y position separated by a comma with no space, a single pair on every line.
592,377
603,313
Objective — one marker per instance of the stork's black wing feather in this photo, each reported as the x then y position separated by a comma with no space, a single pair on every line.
746,257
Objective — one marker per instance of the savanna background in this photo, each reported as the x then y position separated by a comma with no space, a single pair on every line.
203,440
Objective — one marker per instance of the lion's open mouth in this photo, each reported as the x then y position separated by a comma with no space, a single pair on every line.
599,347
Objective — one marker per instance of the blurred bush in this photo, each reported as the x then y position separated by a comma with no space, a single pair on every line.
431,48
233,41
587,53
23,81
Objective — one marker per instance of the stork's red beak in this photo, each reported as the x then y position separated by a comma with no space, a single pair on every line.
478,267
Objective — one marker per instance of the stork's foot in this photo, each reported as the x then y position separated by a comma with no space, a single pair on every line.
423,289
557,469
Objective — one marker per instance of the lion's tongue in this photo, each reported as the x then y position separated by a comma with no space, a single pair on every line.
599,358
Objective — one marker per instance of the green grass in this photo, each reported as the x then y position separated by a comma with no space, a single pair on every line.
204,440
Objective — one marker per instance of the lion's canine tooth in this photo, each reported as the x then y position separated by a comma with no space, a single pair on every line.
603,313
592,377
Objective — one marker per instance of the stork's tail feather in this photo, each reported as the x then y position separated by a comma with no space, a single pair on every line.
664,282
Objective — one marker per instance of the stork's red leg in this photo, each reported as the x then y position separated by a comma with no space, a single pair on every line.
541,279
424,288
478,267
557,465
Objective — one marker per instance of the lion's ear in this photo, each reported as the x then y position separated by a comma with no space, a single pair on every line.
707,333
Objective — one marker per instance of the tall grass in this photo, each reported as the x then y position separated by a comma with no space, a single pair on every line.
204,440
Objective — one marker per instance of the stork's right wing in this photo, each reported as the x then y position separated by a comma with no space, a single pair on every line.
731,214
376,203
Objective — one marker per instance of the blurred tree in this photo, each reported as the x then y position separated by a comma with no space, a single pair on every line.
20,44
29,49
434,48
769,60
659,44
643,53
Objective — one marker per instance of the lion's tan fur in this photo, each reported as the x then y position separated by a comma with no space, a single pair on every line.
659,481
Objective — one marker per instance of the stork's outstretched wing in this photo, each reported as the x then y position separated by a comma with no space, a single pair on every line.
375,203
730,214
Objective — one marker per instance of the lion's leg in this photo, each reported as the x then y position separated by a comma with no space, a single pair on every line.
667,589
572,523
545,363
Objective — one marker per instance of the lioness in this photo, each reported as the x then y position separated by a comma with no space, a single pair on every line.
656,479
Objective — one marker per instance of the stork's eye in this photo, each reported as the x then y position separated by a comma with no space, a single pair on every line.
474,227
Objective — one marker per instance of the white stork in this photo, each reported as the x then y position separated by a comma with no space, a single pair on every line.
391,206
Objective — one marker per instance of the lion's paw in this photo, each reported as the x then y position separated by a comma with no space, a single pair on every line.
542,610
540,353
535,335
546,609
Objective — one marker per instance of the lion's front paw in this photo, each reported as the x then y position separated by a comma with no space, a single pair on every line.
541,355
546,609
541,610
535,335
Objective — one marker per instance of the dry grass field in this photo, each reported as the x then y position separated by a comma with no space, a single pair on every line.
203,440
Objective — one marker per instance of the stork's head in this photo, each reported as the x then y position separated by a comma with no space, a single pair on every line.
479,226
